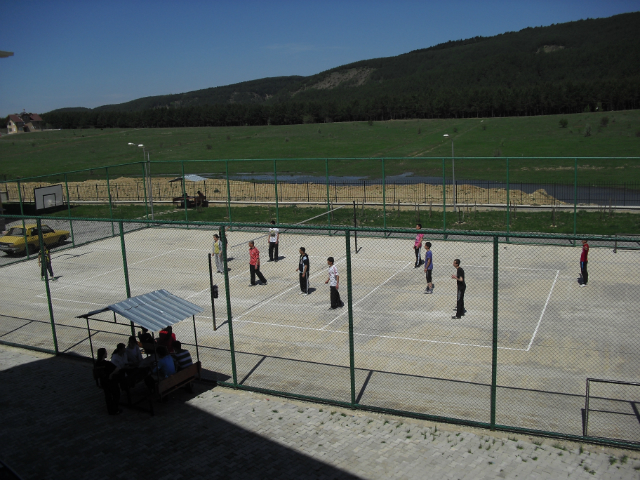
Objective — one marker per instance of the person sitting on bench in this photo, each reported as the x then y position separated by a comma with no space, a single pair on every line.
166,337
134,357
182,356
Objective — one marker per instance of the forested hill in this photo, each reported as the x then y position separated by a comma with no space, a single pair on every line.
562,68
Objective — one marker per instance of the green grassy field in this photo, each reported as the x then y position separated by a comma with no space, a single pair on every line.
600,223
33,154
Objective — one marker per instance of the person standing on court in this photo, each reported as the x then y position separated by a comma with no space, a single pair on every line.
46,264
417,245
303,268
254,265
217,253
274,239
428,266
334,284
583,263
462,286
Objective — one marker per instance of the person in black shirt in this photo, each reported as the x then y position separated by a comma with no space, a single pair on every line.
105,371
462,286
303,268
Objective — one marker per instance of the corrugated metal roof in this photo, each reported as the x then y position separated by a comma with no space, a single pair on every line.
154,310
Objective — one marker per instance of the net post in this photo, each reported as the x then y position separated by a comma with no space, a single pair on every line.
66,184
494,343
144,187
226,163
384,199
125,267
184,195
113,231
352,372
24,228
275,183
355,225
575,198
508,203
223,240
213,307
45,270
444,200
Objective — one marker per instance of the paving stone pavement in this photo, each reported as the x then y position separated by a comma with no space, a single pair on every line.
55,425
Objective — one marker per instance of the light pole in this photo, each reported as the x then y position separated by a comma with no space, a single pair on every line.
146,158
453,171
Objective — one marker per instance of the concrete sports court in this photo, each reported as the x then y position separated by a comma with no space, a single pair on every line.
409,353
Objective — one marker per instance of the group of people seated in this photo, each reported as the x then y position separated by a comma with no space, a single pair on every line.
127,366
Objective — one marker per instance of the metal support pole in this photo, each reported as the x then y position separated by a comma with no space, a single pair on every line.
113,231
24,228
223,240
453,178
326,169
195,337
494,344
585,428
352,371
508,203
125,267
150,180
66,184
228,196
384,198
275,183
575,198
144,185
45,270
444,200
213,307
355,225
184,196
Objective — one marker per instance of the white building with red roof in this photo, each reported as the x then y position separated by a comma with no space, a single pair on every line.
25,122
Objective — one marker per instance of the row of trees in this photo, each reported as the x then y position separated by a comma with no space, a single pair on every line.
482,102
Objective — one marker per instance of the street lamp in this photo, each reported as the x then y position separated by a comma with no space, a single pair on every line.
146,158
453,171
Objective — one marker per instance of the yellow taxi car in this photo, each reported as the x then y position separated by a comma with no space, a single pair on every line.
13,241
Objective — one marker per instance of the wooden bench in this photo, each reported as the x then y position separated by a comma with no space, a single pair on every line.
181,378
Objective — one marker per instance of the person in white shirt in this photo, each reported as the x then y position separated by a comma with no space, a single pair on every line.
133,354
274,239
119,356
334,283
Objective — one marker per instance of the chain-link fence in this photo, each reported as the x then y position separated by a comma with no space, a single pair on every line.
514,353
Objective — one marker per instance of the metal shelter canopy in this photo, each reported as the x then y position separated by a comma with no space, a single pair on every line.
153,310
191,178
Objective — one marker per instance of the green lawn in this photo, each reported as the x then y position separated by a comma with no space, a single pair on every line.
599,223
497,138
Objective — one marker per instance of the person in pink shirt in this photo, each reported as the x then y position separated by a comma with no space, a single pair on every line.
583,263
254,265
417,246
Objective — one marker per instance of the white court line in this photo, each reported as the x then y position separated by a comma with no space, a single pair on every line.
543,310
282,293
381,336
353,305
516,268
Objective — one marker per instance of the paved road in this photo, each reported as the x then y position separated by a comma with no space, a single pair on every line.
55,426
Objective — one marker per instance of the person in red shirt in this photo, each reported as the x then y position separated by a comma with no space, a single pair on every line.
583,263
254,265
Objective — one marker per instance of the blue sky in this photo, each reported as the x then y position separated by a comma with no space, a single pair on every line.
89,53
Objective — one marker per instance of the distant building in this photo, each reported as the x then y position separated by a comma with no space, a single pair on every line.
25,122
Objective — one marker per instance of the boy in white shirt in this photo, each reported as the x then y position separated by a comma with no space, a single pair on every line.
274,239
334,283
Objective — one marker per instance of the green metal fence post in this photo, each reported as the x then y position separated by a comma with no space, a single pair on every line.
352,367
384,197
24,227
444,200
326,170
228,191
275,183
575,198
508,203
223,241
144,185
184,196
66,184
126,268
494,343
44,270
113,232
